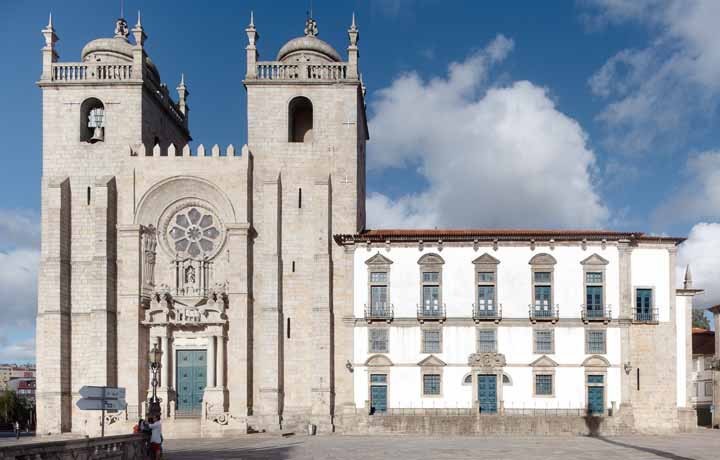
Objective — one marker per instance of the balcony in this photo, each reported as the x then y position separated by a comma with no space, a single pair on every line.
647,316
379,312
487,312
543,312
283,71
595,312
431,313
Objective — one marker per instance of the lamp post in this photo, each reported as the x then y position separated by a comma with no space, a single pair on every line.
154,357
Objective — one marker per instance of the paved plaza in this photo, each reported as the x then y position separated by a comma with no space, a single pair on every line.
703,445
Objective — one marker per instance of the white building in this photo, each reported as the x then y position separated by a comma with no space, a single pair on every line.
519,322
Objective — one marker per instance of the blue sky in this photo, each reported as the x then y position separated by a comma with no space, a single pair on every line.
590,113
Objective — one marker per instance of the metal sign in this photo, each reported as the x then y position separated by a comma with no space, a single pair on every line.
99,404
92,392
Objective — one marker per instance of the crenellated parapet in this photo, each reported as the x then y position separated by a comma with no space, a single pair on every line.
141,151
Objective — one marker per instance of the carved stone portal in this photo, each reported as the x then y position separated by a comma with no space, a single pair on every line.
487,360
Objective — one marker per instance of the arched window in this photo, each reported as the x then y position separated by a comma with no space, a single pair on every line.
92,121
300,120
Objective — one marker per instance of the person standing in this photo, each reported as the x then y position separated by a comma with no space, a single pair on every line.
155,437
17,429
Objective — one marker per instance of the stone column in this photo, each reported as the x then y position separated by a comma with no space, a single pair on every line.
164,369
267,336
625,321
239,382
53,336
322,410
210,362
220,362
716,368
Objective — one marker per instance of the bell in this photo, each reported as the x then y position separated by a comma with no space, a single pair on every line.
98,135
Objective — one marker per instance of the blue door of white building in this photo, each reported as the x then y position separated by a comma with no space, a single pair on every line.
191,380
378,393
487,393
596,394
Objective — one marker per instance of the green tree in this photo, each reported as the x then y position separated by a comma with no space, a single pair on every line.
699,319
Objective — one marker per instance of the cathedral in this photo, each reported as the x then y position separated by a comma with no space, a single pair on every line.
252,274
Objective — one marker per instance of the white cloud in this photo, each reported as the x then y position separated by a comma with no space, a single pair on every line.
701,251
492,155
19,351
699,197
657,94
19,258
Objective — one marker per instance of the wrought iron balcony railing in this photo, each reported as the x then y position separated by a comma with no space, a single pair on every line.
543,312
646,315
379,312
487,312
431,313
595,312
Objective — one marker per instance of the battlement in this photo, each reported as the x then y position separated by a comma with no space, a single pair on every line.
142,151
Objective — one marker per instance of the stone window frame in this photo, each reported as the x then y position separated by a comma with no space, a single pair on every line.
431,262
543,366
595,264
653,304
465,379
588,330
596,365
299,101
552,340
378,264
478,330
509,379
423,330
708,384
86,106
378,364
431,365
486,264
373,327
542,262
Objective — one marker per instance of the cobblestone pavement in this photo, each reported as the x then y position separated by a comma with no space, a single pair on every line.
703,445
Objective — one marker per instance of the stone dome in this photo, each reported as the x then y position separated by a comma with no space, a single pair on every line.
116,50
308,44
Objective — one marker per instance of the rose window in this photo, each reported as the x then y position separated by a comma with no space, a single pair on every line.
194,231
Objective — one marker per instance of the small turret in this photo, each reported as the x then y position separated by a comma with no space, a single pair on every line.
251,48
688,282
354,35
138,50
183,94
49,54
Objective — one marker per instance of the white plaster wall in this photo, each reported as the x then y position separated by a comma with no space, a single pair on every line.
515,342
650,268
513,283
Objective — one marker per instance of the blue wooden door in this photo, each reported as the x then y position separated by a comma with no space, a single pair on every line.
378,398
643,304
596,394
594,301
191,380
487,393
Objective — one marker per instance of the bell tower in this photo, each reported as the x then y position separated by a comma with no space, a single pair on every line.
307,132
95,110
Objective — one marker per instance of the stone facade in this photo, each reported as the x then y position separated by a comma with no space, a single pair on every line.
244,267
226,257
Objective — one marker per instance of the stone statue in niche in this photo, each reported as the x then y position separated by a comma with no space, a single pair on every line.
190,275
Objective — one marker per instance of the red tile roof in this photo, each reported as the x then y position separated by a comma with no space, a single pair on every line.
409,235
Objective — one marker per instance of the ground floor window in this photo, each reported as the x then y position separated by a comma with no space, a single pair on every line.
431,384
543,385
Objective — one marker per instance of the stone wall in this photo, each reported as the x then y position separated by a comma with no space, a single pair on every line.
125,447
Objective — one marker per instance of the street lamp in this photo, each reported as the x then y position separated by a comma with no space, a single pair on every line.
154,356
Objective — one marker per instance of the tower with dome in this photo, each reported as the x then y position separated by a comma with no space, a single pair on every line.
220,257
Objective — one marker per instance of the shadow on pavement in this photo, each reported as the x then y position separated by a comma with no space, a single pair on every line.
659,453
228,453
